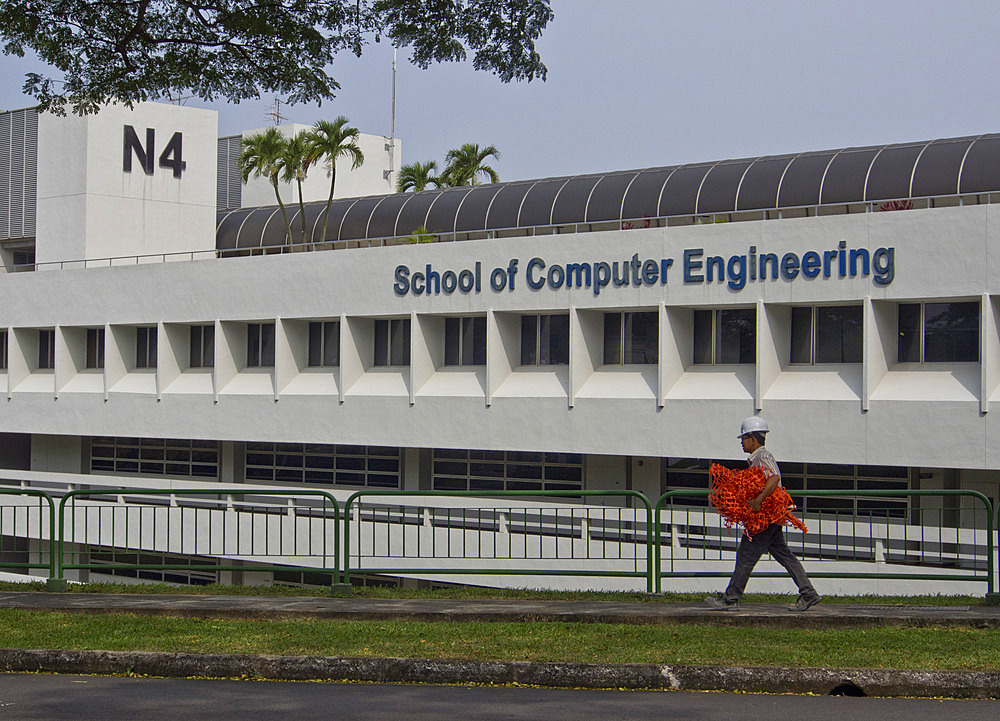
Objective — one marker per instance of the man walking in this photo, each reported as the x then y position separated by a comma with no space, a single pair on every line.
771,539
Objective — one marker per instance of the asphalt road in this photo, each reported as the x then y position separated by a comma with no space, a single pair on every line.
26,697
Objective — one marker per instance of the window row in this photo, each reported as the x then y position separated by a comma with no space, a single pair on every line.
927,332
689,473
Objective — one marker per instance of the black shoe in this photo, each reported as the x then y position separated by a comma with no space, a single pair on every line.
719,603
804,604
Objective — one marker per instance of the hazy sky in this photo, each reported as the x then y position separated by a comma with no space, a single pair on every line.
639,83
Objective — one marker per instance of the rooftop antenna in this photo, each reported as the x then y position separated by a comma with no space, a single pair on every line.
391,147
274,113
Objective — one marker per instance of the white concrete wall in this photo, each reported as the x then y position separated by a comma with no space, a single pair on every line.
371,178
878,412
89,207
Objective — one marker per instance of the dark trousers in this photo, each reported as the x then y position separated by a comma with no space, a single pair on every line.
770,540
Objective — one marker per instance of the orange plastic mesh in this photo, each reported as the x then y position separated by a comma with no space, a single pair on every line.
732,491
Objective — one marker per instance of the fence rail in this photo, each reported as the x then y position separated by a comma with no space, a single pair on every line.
939,535
236,526
844,540
512,539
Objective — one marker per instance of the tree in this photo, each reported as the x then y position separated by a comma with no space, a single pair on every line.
294,163
135,50
262,157
331,140
417,176
466,163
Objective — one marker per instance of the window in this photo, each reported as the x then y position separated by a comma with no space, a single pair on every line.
465,341
826,334
544,340
938,333
631,338
372,466
392,342
145,347
465,470
155,456
95,348
202,346
324,343
46,349
3,350
725,336
692,473
260,345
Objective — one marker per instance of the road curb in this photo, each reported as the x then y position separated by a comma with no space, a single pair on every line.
857,682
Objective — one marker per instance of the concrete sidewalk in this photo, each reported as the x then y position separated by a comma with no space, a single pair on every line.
874,682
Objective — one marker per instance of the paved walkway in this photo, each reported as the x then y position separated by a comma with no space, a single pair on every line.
881,682
652,612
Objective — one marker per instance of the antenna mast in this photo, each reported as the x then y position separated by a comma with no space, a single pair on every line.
392,133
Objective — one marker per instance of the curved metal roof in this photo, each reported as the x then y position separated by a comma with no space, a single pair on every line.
945,167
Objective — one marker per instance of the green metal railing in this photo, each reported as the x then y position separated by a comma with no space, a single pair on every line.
910,540
408,533
559,533
16,522
199,523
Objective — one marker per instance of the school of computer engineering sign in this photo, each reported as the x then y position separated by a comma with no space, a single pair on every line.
736,271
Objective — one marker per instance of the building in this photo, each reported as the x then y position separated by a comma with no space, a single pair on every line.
600,332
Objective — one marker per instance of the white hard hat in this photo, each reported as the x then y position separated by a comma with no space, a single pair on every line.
753,424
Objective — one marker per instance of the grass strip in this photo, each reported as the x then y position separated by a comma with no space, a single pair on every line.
906,648
482,593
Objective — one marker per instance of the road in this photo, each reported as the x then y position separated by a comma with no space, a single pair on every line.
26,697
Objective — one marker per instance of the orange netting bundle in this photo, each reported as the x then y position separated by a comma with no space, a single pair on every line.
732,491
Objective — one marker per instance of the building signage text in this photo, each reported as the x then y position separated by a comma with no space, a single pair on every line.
695,267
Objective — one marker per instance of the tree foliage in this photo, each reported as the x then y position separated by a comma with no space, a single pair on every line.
263,157
329,140
417,176
136,50
464,165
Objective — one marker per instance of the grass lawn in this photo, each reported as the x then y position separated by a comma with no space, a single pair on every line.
919,648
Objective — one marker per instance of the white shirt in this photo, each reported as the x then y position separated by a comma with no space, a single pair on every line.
763,459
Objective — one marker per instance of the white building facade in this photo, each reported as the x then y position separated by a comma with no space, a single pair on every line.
603,332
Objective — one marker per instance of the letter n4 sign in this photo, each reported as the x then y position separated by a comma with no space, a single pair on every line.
171,157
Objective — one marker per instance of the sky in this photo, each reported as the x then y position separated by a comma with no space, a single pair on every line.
643,83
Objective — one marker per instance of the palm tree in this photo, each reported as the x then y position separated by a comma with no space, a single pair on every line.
465,163
330,140
294,162
261,157
417,176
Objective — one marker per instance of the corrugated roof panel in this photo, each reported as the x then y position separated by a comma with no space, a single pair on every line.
846,174
938,166
266,227
507,204
892,171
800,184
355,223
718,191
981,169
680,194
642,199
570,205
537,206
383,220
441,218
414,213
472,214
228,228
606,198
759,188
